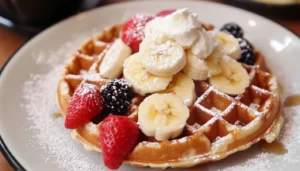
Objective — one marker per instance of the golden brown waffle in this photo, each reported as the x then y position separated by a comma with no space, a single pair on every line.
218,126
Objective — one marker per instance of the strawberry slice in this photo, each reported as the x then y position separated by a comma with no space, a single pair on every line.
85,104
118,137
133,30
164,13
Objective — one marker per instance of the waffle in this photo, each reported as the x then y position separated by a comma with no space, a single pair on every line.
219,124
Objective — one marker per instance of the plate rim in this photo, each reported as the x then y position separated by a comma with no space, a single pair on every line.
5,150
268,4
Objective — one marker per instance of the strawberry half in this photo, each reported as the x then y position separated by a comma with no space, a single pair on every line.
133,30
85,103
118,137
164,13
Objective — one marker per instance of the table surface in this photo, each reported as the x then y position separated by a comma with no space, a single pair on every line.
11,41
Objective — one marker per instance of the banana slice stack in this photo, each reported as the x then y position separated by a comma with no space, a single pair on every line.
156,67
174,53
176,43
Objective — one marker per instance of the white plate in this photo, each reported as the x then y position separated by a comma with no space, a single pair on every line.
32,135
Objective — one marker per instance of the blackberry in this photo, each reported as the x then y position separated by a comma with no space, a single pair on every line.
244,43
248,55
117,95
233,29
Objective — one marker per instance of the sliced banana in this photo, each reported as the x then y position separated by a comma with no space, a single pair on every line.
141,80
233,79
204,45
231,45
112,64
213,60
162,58
213,65
162,116
195,68
184,87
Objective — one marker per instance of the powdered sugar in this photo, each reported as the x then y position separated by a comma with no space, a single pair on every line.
55,141
136,31
260,162
40,93
254,106
289,138
89,89
215,110
255,159
161,49
90,76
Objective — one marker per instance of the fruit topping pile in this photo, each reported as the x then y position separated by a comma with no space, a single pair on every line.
175,43
158,57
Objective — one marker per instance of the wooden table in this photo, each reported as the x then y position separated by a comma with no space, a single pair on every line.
11,41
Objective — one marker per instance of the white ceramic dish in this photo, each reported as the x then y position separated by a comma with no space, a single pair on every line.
280,46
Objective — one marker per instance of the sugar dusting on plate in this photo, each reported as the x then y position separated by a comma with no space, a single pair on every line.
289,136
58,146
49,132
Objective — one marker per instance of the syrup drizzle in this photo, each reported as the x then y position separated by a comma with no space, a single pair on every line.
292,100
275,147
57,115
280,88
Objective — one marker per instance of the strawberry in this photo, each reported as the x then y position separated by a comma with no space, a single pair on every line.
133,30
85,104
118,137
164,13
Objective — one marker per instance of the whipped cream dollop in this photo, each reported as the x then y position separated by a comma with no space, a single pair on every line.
181,26
204,45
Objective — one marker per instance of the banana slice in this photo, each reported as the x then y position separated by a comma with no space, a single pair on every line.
213,65
195,68
204,45
162,116
141,80
112,64
233,79
213,60
162,58
231,45
183,87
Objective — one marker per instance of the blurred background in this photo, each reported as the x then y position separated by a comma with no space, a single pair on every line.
32,16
